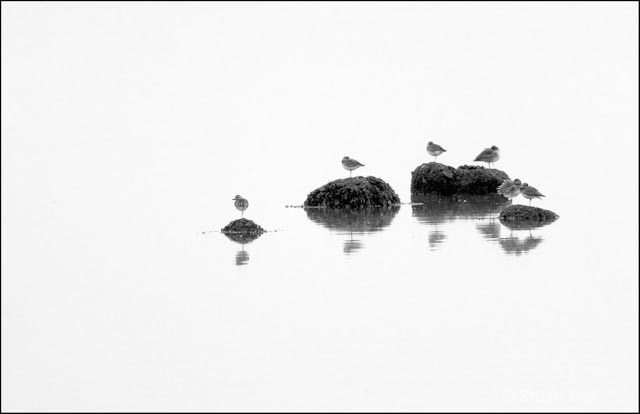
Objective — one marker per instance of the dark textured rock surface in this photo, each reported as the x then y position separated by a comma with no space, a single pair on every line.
436,178
242,230
520,216
356,192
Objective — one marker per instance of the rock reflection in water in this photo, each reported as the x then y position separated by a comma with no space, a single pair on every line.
514,245
351,221
437,209
242,256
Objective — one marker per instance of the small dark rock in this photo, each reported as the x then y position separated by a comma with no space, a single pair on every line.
436,178
520,216
242,230
356,192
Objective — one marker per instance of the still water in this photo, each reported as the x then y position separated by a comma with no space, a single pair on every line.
428,305
436,295
127,129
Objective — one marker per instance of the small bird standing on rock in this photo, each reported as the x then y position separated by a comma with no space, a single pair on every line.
489,155
435,149
241,204
350,164
530,192
510,189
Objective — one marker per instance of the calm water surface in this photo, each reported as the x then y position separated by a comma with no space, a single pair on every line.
128,129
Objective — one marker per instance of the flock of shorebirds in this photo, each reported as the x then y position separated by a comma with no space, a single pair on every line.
510,189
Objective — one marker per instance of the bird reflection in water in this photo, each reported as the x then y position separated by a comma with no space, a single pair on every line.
436,238
435,210
242,256
351,245
517,246
350,222
490,229
514,245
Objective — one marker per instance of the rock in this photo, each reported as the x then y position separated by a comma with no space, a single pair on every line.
436,178
242,230
356,192
526,217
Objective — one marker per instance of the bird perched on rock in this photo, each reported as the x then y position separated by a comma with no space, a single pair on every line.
241,204
489,155
510,189
435,149
350,164
530,193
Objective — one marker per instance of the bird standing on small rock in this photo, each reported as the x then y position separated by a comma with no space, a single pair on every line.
530,193
510,189
489,155
435,150
350,164
241,204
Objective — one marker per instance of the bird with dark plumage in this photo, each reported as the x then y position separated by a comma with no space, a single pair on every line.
435,149
530,193
510,189
241,204
489,155
350,164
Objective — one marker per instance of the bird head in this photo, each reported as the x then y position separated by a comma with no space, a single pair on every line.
345,158
525,185
495,148
236,197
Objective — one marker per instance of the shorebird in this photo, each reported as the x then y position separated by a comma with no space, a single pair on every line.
530,192
435,149
350,164
510,189
241,204
489,155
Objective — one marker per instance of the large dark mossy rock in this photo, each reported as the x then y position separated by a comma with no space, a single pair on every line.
436,178
242,230
356,192
520,216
